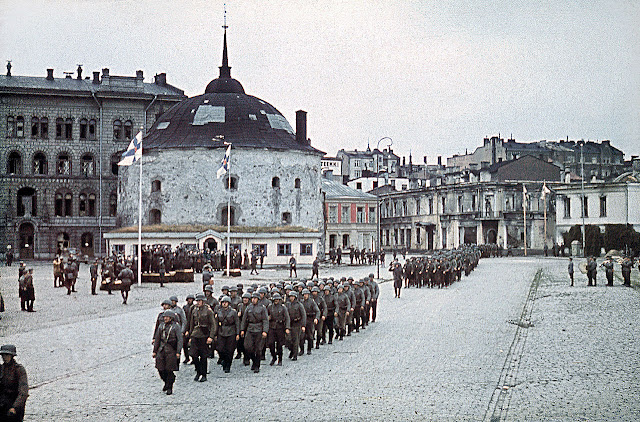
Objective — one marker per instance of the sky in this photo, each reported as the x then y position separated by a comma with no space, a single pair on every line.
435,76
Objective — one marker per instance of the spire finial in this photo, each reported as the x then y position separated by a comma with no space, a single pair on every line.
225,70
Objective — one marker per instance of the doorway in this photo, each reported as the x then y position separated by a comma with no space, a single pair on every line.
26,234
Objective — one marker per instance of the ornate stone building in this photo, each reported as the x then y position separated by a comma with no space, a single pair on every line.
61,140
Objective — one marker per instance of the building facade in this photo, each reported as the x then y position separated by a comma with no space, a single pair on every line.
356,164
61,141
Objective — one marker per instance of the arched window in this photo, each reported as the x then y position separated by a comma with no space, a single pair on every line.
155,216
223,216
84,128
11,127
35,127
275,182
14,163
59,127
82,205
87,205
44,128
87,241
156,186
68,128
113,204
88,165
233,183
39,163
64,164
92,129
63,204
115,159
117,129
297,183
128,130
27,202
20,127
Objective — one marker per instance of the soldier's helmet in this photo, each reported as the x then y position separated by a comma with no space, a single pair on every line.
208,288
361,281
225,287
256,295
225,299
371,275
246,295
340,286
191,297
350,279
240,285
174,298
327,288
315,289
305,291
201,297
233,289
293,293
309,284
263,290
276,296
288,287
166,302
169,313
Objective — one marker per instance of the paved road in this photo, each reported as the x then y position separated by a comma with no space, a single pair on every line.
511,342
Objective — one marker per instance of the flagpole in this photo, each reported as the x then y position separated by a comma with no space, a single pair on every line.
544,192
524,213
140,219
228,209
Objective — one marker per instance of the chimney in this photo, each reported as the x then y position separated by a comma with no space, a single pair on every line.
96,77
404,161
161,79
49,74
425,159
139,78
439,160
79,71
301,127
105,76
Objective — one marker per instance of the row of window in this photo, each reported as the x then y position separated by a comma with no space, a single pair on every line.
27,199
155,217
584,211
346,214
64,128
40,164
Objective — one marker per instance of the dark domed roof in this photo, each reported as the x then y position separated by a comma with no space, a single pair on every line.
224,113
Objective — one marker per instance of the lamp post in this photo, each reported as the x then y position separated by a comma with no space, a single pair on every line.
378,249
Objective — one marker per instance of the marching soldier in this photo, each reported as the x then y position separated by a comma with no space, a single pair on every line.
93,270
202,331
343,307
254,329
228,332
322,316
298,318
374,297
14,388
331,303
279,327
126,276
187,307
627,264
312,311
166,349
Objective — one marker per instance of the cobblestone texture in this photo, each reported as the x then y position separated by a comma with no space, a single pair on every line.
432,355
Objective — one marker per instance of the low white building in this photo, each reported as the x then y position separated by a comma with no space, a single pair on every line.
367,184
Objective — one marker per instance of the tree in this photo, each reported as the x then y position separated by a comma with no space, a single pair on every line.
593,240
621,237
574,233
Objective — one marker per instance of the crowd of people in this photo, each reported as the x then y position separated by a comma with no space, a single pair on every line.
306,313
591,269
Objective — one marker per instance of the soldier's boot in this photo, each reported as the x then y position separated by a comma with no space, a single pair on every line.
163,377
169,384
309,347
280,359
273,361
246,361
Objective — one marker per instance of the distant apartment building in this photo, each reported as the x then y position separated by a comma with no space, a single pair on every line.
368,163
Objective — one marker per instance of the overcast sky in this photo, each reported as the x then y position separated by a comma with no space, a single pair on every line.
436,76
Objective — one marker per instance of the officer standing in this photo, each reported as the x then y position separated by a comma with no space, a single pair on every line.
93,271
298,318
202,330
374,297
608,270
228,332
343,306
570,270
254,329
592,271
166,349
292,266
397,278
279,327
627,264
14,388
126,276
315,268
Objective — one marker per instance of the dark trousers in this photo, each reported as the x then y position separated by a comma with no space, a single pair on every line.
357,317
294,342
226,347
626,275
199,354
240,348
94,283
328,326
185,347
571,278
342,320
308,334
365,314
275,340
168,377
609,278
293,270
319,328
374,309
253,346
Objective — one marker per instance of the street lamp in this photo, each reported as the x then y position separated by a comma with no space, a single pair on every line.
378,201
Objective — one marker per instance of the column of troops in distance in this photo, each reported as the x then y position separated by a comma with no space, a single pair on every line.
311,314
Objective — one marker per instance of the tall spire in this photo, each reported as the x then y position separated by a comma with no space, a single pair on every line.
225,70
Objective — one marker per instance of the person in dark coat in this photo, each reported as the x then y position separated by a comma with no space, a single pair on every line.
313,313
161,270
254,329
14,388
167,345
292,267
202,330
315,268
298,318
397,278
228,332
9,256
126,277
279,327
93,271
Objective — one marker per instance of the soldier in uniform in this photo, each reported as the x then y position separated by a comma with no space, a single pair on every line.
187,307
592,271
322,316
254,262
254,329
207,275
298,318
210,298
279,327
331,303
57,272
181,316
202,331
166,349
352,300
397,278
228,332
14,388
313,312
357,310
627,264
93,271
69,276
126,276
292,266
374,297
161,270
315,268
608,270
9,256
343,307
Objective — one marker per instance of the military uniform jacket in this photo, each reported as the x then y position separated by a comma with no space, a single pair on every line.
342,302
212,302
167,334
367,293
202,323
14,388
297,314
331,302
311,309
375,290
278,316
359,296
181,316
322,305
228,321
255,319
93,270
264,302
352,297
235,302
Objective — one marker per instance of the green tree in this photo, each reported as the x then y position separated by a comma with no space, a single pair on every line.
593,239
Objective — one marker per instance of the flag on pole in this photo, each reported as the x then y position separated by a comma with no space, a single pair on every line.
134,152
225,163
545,191
524,189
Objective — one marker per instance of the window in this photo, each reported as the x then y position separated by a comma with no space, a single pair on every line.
346,214
275,182
20,127
27,202
444,204
405,210
585,207
11,127
372,214
87,165
417,235
387,239
286,218
35,127
430,202
44,128
332,241
115,159
39,163
359,185
284,249
64,164
128,129
473,202
113,204
260,248
117,130
333,214
155,216
375,184
460,204
84,128
306,249
297,183
231,182
59,127
87,205
63,204
567,207
418,207
603,206
82,205
156,186
345,240
68,128
118,249
232,216
92,129
401,237
14,163
360,215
